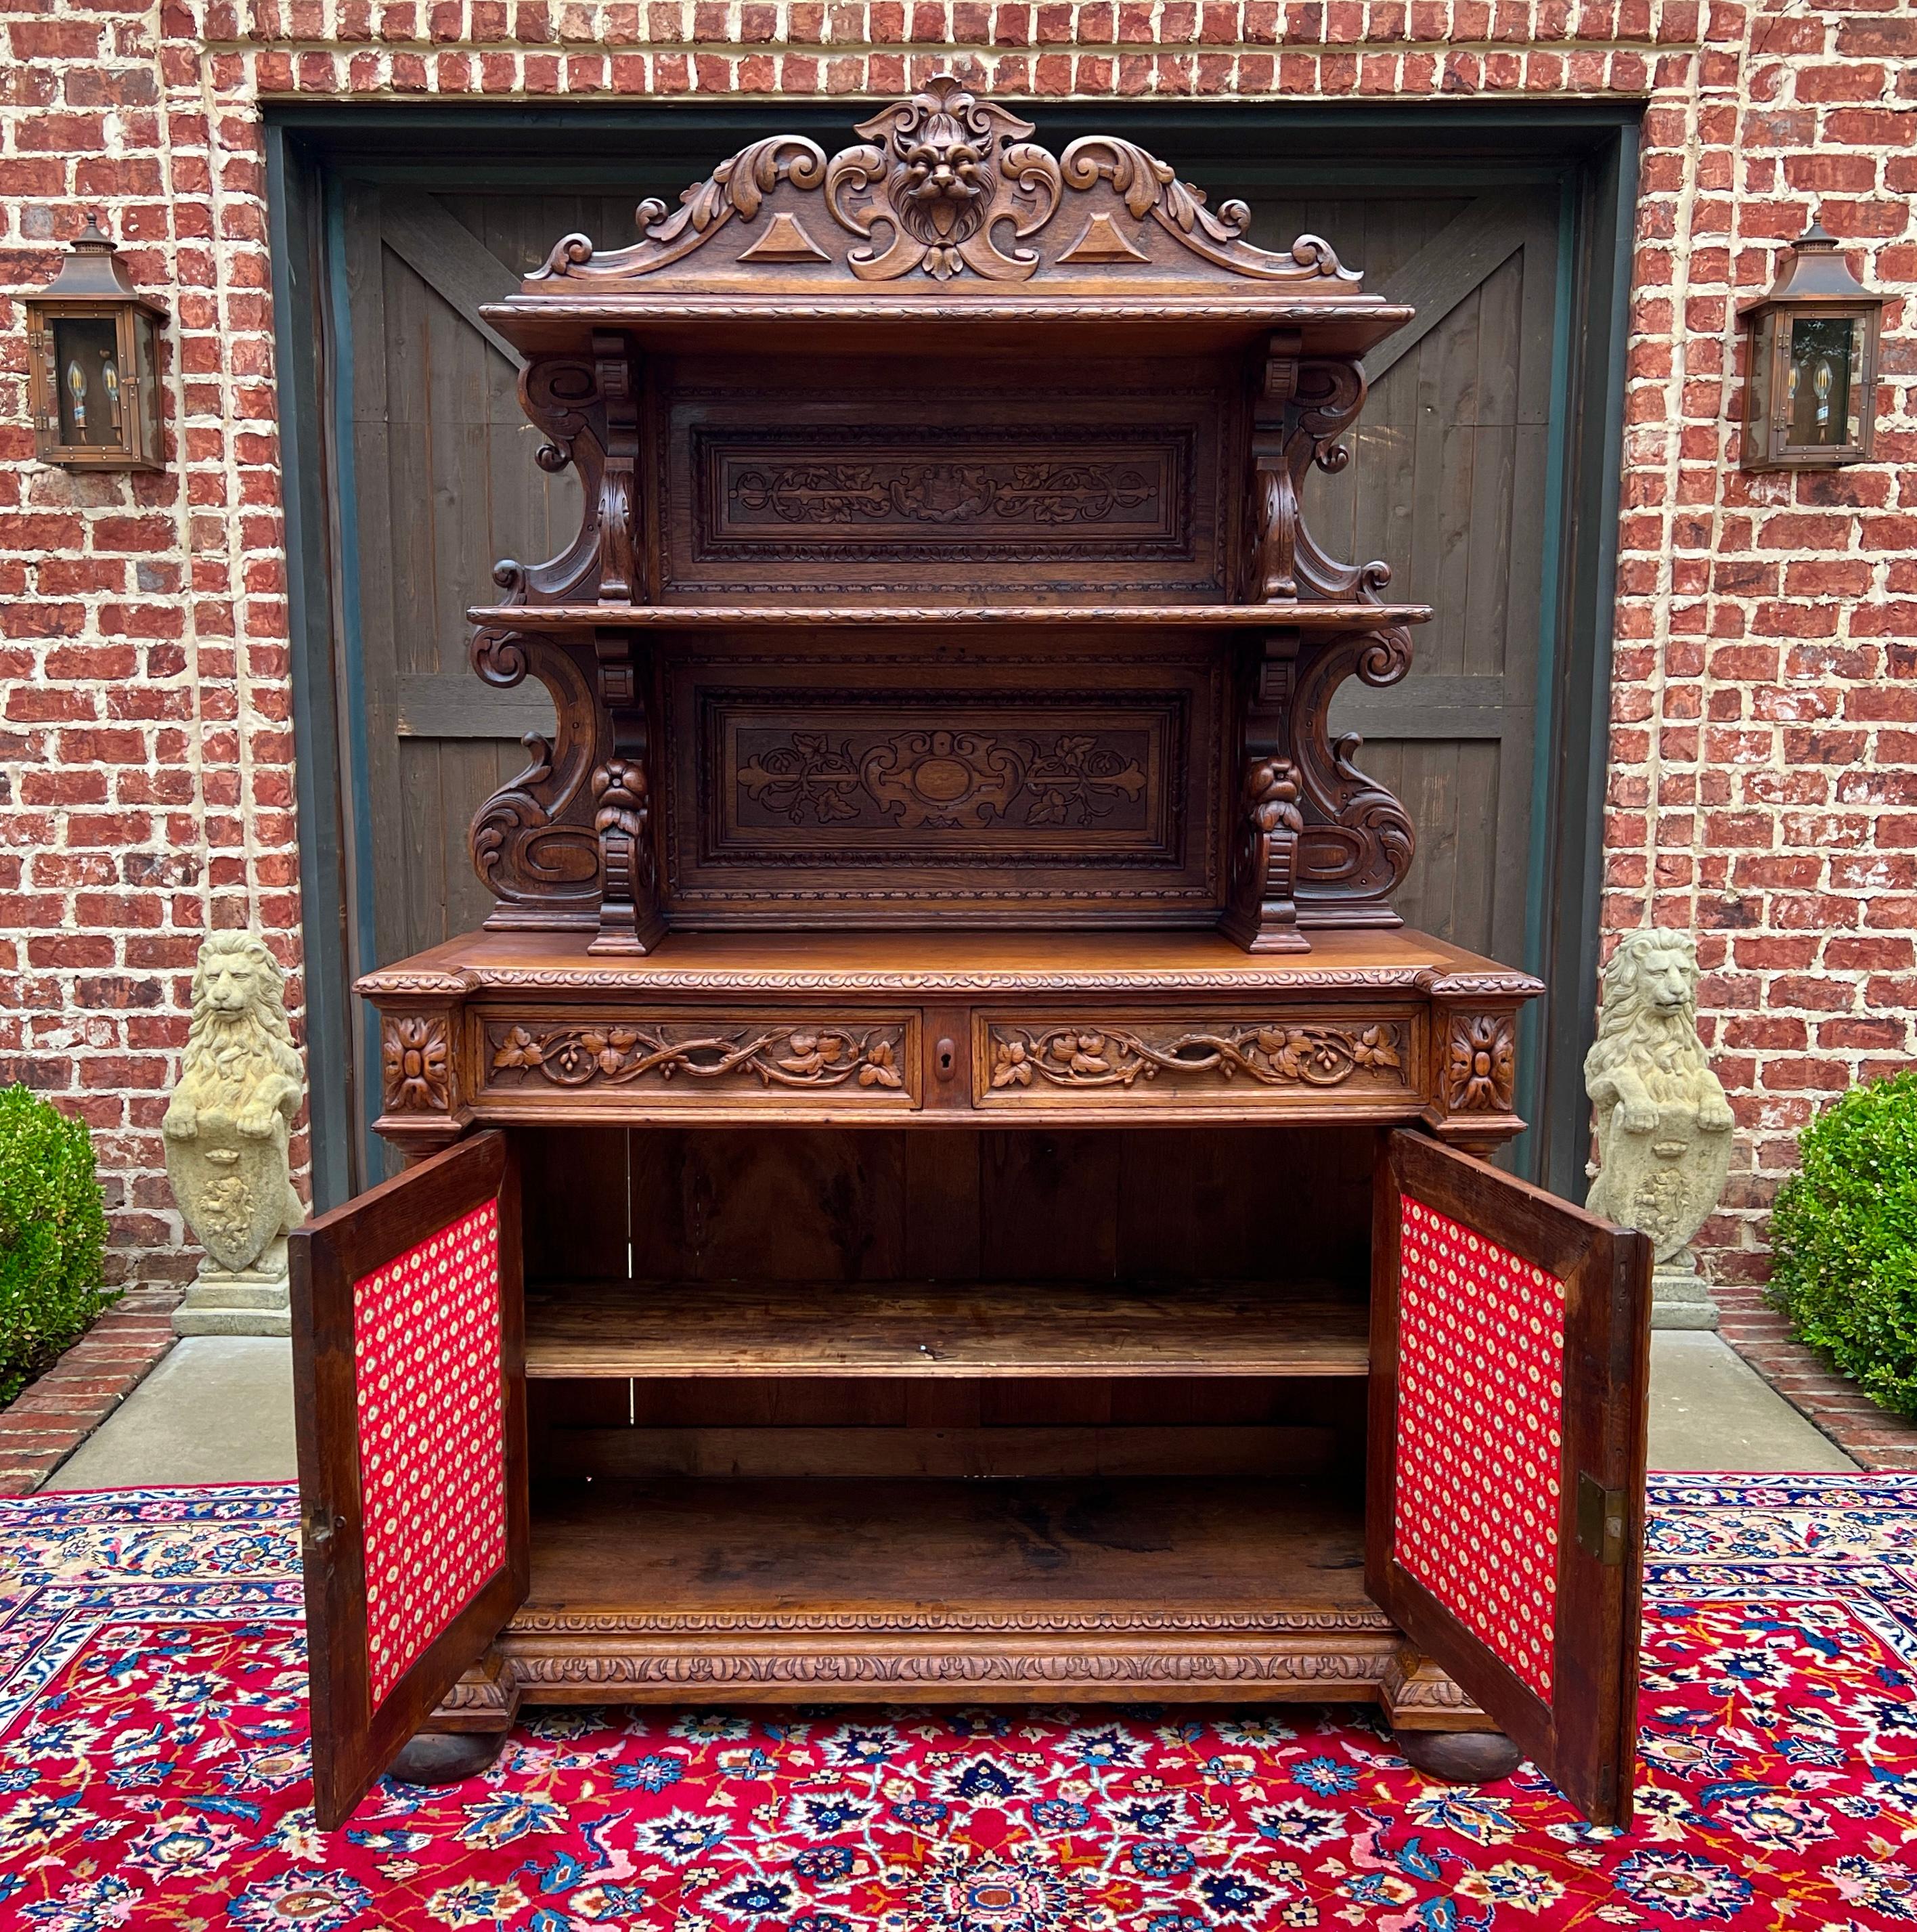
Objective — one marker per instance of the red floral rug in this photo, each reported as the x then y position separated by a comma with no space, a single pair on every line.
153,1769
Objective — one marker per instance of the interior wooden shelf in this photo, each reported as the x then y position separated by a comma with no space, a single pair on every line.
891,1548
600,1329
1303,615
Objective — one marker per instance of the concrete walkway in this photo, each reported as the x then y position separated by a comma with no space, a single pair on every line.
219,1409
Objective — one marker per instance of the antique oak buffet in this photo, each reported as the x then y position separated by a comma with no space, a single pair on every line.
943,1178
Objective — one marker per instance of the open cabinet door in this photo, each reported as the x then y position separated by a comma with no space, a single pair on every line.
409,1361
1510,1347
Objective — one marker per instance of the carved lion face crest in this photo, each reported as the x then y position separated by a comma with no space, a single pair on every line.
942,151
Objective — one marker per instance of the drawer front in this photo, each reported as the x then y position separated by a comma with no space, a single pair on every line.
719,1062
1119,1062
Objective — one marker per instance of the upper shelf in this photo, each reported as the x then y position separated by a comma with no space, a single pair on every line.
945,220
1299,615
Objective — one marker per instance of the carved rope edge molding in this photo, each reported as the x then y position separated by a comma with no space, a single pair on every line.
400,982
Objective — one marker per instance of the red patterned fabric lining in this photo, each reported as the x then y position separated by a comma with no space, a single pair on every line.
1480,1409
432,1437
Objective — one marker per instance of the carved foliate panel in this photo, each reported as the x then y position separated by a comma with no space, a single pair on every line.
850,787
1109,1062
828,492
994,781
696,1061
859,479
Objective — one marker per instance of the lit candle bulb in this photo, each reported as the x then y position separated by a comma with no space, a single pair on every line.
76,388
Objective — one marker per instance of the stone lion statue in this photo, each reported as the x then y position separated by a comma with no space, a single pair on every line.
1663,1124
227,1125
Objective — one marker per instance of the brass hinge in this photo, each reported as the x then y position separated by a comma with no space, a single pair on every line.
1601,1520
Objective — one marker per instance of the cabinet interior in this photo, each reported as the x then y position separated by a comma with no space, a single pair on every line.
891,1369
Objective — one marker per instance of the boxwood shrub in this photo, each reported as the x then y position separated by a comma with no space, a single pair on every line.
1843,1240
52,1237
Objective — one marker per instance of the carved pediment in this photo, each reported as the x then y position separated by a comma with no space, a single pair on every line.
946,190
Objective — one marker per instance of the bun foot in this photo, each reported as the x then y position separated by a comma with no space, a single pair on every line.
1458,1757
446,1757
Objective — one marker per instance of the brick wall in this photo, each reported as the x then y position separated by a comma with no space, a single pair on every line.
1764,783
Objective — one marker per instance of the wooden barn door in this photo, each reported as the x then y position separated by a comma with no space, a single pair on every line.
443,485
1451,483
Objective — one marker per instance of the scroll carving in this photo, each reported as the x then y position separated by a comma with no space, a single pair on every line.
1304,406
736,187
948,184
1276,1054
1480,1063
560,395
533,842
617,1053
1358,841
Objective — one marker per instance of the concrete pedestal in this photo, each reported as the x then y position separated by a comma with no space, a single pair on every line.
1680,1298
249,1303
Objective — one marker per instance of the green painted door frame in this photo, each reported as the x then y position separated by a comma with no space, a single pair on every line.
1588,152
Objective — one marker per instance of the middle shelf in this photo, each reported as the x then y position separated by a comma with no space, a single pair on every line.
959,1329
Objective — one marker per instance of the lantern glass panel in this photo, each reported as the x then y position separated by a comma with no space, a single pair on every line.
146,347
1823,396
88,380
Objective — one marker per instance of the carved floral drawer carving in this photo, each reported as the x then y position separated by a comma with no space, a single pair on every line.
1114,1061
696,1061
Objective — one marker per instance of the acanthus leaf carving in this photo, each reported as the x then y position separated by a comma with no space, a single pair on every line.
738,186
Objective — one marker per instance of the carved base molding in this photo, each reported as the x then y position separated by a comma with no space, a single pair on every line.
609,1667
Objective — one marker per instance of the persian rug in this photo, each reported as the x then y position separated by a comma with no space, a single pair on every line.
153,1769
